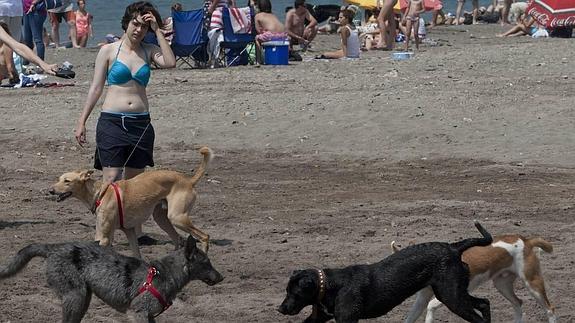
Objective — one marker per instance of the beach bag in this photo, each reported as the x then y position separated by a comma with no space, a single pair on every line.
48,4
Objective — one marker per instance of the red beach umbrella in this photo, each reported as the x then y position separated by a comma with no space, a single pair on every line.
553,13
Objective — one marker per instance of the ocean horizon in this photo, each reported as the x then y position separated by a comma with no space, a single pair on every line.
108,14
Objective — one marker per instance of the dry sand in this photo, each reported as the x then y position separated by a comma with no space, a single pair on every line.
320,164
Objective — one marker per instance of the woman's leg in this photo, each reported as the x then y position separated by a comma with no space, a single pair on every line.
460,4
37,33
142,238
408,29
385,14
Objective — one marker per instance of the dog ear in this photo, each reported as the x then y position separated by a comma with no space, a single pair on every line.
86,174
190,246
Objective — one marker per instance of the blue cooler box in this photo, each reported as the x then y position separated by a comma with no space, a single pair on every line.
276,52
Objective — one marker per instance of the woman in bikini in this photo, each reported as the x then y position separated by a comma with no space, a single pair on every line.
124,134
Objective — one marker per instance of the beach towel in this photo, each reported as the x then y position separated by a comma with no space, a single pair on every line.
217,22
240,19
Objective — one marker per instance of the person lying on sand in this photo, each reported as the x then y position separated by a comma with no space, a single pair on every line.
23,50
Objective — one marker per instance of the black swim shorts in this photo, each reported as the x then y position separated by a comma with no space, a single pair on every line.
124,140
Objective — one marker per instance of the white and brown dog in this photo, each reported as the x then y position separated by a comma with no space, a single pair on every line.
507,258
129,203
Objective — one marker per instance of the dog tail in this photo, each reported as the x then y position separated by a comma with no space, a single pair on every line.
540,243
208,154
22,258
463,245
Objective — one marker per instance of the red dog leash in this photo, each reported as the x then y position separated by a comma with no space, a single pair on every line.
148,286
118,200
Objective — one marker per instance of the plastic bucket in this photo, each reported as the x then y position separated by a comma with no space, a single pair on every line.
276,53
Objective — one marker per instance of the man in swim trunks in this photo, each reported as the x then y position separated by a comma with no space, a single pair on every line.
295,26
66,12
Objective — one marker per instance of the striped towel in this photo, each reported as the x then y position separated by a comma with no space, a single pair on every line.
216,22
240,19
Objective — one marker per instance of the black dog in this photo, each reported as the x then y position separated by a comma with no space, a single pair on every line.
368,291
322,12
75,270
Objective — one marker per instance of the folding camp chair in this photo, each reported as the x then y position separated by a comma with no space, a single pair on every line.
236,43
190,37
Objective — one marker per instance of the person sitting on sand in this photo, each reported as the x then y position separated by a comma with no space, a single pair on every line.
23,50
526,27
7,69
369,33
349,38
124,133
298,32
411,21
83,24
268,26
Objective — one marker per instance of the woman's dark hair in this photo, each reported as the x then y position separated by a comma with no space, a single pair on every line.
138,9
264,6
298,3
5,27
349,15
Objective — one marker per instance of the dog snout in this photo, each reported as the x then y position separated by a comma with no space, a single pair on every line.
215,277
52,191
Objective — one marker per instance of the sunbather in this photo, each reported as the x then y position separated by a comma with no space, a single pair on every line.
268,26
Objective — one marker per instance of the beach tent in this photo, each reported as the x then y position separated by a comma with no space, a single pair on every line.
553,13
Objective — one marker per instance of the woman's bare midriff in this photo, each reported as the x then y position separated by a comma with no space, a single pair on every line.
126,98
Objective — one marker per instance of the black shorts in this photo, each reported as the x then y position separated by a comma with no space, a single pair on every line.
124,140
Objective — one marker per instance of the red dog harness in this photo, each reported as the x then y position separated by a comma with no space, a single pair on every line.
148,286
119,201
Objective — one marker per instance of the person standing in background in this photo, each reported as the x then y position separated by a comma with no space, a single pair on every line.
64,11
83,24
11,12
32,28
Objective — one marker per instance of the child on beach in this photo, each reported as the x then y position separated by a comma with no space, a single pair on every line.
83,24
411,21
349,38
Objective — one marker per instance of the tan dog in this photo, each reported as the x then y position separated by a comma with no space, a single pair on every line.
138,197
507,258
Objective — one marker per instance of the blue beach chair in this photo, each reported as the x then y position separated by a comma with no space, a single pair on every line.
236,43
190,37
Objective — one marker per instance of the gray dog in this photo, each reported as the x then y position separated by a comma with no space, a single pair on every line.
75,270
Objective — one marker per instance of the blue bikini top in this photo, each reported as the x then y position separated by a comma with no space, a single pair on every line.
119,73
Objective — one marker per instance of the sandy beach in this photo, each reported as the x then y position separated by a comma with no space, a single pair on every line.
319,164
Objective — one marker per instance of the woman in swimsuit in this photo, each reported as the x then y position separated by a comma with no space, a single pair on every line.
124,134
